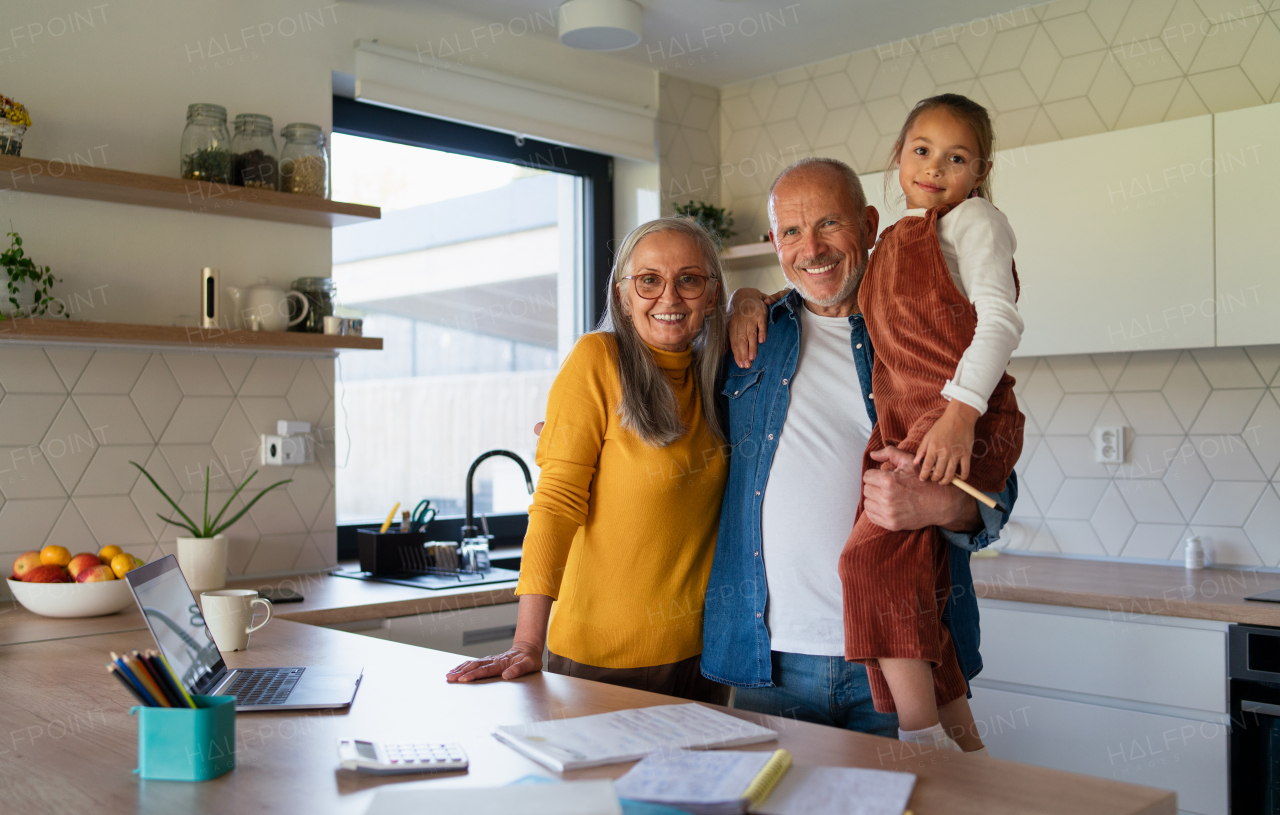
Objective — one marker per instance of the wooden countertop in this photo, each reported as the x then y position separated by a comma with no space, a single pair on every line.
71,746
1129,588
328,601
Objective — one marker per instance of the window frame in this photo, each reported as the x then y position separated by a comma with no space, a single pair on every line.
371,121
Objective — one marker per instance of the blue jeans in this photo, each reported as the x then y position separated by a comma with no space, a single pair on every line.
822,690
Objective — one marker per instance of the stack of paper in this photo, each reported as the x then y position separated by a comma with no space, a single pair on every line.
626,735
717,783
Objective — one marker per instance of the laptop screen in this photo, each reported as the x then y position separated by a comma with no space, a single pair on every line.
174,618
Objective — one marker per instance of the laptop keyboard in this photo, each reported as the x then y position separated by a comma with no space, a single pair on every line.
263,686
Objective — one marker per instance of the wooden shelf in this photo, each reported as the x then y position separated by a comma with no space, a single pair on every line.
65,331
749,254
74,180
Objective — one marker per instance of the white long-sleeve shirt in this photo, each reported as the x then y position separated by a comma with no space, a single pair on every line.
978,245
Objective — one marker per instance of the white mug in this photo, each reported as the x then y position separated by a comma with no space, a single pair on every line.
229,615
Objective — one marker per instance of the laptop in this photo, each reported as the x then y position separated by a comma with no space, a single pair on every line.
178,628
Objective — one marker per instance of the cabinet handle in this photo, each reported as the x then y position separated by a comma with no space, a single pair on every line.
479,635
1260,707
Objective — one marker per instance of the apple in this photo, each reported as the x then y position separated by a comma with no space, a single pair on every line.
95,574
81,562
123,563
53,555
48,573
108,552
25,563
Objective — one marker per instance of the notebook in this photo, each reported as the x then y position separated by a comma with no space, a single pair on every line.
764,784
571,798
626,735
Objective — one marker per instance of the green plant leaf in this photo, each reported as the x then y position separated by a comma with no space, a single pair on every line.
249,505
233,496
206,500
190,523
195,533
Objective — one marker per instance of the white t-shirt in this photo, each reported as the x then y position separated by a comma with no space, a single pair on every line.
978,245
812,493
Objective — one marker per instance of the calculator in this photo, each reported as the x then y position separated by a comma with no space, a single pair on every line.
408,757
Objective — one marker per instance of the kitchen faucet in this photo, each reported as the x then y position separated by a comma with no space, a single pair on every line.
470,530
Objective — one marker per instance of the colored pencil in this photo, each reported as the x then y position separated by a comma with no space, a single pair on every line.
173,677
170,693
163,680
387,523
144,679
133,680
114,671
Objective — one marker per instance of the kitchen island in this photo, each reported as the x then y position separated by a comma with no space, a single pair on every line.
71,745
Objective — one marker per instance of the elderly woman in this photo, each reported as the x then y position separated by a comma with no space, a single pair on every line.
623,523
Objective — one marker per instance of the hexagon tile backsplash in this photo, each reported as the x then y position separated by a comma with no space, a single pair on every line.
1202,458
71,420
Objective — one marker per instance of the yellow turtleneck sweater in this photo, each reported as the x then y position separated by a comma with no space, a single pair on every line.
621,533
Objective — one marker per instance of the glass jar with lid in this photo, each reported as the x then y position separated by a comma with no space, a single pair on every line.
320,293
254,158
304,163
206,144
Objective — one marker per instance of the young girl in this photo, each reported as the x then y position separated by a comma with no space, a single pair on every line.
938,297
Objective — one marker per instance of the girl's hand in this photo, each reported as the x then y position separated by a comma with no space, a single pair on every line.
945,450
520,659
748,314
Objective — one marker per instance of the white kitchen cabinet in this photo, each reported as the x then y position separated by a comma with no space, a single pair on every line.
1247,211
1187,756
473,632
1134,698
1115,238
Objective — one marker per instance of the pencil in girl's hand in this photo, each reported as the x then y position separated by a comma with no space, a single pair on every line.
115,671
133,680
173,677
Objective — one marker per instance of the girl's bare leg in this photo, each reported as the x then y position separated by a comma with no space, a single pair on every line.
957,720
911,683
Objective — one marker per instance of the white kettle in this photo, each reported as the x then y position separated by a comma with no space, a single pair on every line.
265,307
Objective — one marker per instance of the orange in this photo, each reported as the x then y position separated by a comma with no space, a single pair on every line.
107,553
123,563
55,556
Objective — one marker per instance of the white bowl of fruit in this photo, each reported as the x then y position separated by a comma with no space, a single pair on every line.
53,583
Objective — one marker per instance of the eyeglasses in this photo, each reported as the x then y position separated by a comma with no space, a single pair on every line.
652,286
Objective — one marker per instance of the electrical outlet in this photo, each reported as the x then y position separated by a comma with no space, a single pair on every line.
1108,445
283,451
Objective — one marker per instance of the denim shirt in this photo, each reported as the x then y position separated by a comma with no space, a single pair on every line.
735,637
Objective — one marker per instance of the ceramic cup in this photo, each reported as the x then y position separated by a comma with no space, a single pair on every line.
335,325
229,615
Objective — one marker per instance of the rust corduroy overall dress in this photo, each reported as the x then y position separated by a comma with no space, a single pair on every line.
896,584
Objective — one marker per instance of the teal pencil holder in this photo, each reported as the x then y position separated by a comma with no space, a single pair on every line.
181,744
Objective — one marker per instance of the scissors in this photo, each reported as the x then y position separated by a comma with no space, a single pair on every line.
423,514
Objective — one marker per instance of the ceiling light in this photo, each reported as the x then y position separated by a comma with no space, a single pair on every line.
600,25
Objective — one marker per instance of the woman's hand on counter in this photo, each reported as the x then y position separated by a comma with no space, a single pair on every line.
525,654
519,660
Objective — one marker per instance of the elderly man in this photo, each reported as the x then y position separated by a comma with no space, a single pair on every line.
800,414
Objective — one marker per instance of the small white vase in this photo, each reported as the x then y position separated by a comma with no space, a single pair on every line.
203,562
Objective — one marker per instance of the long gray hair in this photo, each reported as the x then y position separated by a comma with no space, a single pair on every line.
648,407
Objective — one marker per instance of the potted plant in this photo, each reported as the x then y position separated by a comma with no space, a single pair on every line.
203,556
715,220
14,121
27,281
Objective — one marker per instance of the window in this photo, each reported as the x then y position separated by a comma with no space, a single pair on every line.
479,278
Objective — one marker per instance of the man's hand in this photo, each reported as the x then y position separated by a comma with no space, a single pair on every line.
748,314
521,659
895,498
